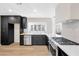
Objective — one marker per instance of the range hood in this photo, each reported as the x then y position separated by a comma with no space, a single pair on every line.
71,21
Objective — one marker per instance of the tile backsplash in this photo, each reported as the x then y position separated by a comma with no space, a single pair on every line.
71,31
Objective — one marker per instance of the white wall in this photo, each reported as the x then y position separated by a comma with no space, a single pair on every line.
66,11
71,31
48,21
28,9
74,11
62,12
16,32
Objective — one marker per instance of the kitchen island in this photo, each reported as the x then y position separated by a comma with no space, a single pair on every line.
33,39
70,50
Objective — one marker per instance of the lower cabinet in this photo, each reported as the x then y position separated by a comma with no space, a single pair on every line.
61,53
55,50
33,40
39,40
21,39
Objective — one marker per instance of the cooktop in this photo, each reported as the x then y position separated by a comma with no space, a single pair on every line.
64,41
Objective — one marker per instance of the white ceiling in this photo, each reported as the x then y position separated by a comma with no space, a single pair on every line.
28,9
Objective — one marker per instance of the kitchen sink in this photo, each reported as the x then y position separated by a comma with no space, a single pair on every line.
64,41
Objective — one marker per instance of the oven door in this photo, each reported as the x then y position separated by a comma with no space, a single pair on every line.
53,49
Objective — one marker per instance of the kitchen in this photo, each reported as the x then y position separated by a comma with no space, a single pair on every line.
51,29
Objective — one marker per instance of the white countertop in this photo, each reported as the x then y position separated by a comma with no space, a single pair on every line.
71,50
32,34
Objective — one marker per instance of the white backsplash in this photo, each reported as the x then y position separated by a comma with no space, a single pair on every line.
71,31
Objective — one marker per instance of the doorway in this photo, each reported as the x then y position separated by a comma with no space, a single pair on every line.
11,32
14,32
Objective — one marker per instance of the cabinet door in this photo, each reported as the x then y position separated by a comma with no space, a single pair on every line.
22,40
11,33
4,31
38,40
24,22
13,19
46,39
61,53
21,31
0,29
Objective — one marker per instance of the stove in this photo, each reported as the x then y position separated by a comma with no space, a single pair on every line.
64,41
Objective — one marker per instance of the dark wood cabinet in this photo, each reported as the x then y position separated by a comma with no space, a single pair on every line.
36,40
10,33
21,31
39,40
61,52
13,19
23,25
7,28
21,39
24,22
4,31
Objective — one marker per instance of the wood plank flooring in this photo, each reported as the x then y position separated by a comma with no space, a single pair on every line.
17,50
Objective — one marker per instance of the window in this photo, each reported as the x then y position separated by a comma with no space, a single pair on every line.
37,27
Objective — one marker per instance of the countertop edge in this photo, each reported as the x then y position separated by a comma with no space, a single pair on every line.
61,47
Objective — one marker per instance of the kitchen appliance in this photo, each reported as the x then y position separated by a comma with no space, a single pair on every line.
27,40
64,41
53,48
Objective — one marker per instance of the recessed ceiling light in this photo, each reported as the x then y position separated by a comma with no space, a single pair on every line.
21,10
10,10
34,10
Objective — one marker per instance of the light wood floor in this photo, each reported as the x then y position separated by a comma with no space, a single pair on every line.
17,50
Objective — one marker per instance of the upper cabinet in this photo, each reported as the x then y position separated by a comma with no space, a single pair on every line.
75,11
62,12
67,11
24,22
7,32
13,19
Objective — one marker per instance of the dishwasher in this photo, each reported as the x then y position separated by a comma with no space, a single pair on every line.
27,40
